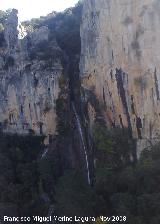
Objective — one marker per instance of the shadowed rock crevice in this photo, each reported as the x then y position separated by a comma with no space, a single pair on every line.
120,75
156,85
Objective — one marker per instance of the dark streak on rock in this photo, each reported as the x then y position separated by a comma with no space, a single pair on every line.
143,10
119,78
121,121
21,109
135,45
41,128
128,20
104,99
139,126
132,105
112,55
113,124
111,74
156,84
150,130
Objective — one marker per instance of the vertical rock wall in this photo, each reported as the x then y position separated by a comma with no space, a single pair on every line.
29,81
120,63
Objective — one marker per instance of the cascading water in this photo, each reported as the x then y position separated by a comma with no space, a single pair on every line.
82,140
44,153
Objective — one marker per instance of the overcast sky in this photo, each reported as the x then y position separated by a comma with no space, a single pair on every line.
29,9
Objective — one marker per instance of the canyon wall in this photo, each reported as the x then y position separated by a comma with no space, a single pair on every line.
120,64
29,78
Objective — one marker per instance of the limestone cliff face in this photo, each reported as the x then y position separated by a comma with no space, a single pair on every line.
120,63
28,79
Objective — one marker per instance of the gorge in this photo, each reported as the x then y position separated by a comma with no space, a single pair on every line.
79,112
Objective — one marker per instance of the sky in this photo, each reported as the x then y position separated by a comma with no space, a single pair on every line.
29,9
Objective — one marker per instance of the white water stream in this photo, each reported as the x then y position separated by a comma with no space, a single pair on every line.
44,153
83,142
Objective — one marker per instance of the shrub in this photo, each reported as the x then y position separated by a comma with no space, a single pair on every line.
3,16
2,39
1,27
114,148
47,107
141,82
9,62
19,176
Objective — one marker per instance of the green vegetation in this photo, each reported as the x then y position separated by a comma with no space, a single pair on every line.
19,175
9,62
121,187
114,148
62,105
141,82
1,27
2,39
3,16
65,27
47,106
45,50
69,27
73,196
50,169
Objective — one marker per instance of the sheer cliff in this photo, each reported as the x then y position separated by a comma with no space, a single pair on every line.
39,87
29,79
78,89
120,64
119,70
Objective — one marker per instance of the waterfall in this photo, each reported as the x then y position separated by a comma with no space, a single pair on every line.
44,153
51,210
83,142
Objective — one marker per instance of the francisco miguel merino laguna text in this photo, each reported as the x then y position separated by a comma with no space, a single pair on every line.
49,219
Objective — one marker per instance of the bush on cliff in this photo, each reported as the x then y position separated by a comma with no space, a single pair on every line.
3,16
132,189
114,148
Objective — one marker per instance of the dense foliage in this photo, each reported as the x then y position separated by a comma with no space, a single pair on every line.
3,16
19,176
121,187
64,26
2,19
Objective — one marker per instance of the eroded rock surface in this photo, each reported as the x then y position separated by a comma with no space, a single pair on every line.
120,63
30,68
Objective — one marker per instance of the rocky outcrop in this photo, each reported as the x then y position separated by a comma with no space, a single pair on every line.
30,68
120,64
10,30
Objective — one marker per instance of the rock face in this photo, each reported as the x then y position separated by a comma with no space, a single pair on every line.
120,64
29,80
